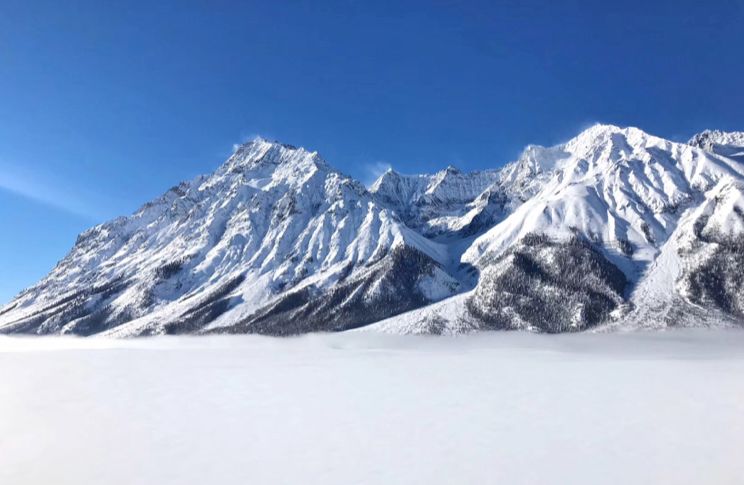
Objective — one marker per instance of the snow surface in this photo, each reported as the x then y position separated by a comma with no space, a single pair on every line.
611,184
513,408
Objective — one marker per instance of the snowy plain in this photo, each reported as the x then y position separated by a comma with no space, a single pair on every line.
664,407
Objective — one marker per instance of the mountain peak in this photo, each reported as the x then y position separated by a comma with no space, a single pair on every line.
601,132
261,152
601,128
389,176
708,139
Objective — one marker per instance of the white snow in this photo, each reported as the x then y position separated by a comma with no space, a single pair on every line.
446,317
716,140
437,203
608,183
512,408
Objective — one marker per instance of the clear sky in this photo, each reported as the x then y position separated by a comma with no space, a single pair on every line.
104,105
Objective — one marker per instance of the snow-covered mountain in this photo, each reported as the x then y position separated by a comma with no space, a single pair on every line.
613,228
617,227
275,241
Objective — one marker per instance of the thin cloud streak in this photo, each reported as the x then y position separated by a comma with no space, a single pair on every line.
44,195
373,171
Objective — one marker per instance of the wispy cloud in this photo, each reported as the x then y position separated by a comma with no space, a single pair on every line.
57,196
372,171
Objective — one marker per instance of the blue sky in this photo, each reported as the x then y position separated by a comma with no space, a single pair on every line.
104,105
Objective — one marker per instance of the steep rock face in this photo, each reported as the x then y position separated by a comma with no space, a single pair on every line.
444,204
726,144
712,140
273,218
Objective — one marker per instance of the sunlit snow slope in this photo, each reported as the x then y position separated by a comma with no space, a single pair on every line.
275,241
617,227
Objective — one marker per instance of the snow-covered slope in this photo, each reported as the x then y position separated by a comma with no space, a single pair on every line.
612,231
443,204
711,139
621,188
729,144
275,228
615,227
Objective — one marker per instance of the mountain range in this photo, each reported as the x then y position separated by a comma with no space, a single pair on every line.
614,229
